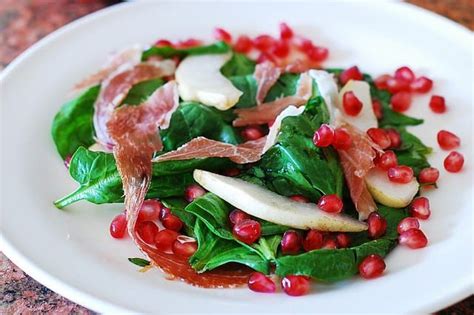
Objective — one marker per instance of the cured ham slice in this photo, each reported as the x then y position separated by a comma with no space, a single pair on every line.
266,75
267,112
202,147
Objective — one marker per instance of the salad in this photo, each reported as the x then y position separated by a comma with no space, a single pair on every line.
245,161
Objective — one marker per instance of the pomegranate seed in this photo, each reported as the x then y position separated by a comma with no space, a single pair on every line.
343,240
164,240
420,208
295,285
247,231
387,160
232,172
281,49
285,31
299,198
377,225
172,222
264,42
453,162
421,85
437,104
243,44
330,243
150,210
396,85
223,35
400,174
317,53
191,42
406,224
395,139
263,57
405,73
448,140
304,45
400,101
381,81
237,216
251,133
428,175
377,107
352,73
67,161
413,238
163,43
164,212
330,203
380,137
184,246
258,282
147,231
371,267
342,139
314,240
118,226
291,242
323,137
351,104
193,192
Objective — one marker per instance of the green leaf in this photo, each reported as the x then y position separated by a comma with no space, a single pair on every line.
248,85
177,205
139,262
238,65
268,246
168,51
412,152
184,166
285,86
141,91
72,126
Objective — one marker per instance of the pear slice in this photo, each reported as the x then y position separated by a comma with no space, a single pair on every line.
199,79
389,193
269,206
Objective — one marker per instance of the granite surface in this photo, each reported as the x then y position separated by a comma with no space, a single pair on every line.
23,22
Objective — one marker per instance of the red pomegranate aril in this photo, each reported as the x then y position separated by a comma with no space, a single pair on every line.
67,161
405,73
395,138
299,198
172,222
330,203
164,240
324,136
295,285
397,85
223,35
381,81
251,133
184,246
453,162
291,242
314,239
387,160
258,282
237,216
400,101
413,238
247,231
380,137
164,212
448,140
191,42
147,231
118,226
243,44
318,53
163,43
342,139
193,192
351,104
371,267
264,42
377,225
420,208
281,49
352,73
407,223
421,85
343,240
264,56
400,174
285,31
377,107
150,210
437,104
304,45
330,243
232,172
428,175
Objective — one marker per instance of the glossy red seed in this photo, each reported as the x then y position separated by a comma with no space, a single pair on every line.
351,104
223,35
264,56
237,216
437,104
380,137
371,267
258,282
172,222
420,208
193,192
191,42
421,85
406,224
395,138
386,160
295,285
428,175
377,225
264,42
67,161
342,139
330,203
343,240
400,101
164,212
400,174
150,210
163,42
184,246
281,49
299,198
448,140
317,53
243,44
231,172
396,85
324,136
291,242
377,107
454,162
285,31
118,226
247,231
252,133
164,240
313,240
381,81
147,231
405,73
304,45
413,238
329,243
352,73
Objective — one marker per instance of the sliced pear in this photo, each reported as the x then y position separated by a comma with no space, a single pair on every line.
275,128
389,193
327,88
199,79
366,118
272,207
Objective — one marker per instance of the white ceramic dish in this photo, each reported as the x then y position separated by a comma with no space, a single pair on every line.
71,252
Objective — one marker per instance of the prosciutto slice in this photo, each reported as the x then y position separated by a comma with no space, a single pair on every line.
202,147
267,112
266,75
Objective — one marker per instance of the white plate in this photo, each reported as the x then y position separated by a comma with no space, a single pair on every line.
71,252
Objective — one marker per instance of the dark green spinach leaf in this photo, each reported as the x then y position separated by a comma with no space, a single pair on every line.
141,91
168,51
139,262
238,65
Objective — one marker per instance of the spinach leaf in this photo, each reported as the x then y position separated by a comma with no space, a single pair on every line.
72,126
168,51
285,86
238,65
248,85
139,262
268,246
141,91
412,152
184,166
177,205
